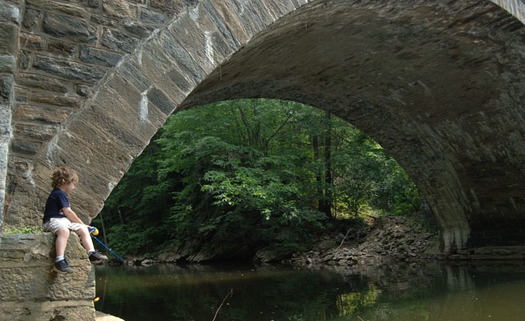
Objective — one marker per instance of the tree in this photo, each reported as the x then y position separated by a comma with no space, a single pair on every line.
236,176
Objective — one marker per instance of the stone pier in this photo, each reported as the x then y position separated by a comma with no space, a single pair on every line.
29,288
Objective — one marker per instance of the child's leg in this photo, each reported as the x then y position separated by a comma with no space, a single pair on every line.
87,242
62,235
85,237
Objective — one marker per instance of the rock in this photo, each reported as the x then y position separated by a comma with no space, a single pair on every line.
390,239
147,262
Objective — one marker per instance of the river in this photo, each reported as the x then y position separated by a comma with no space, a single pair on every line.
432,292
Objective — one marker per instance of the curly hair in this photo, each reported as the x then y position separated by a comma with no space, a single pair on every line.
63,175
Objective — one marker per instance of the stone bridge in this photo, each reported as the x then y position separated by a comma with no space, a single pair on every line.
439,84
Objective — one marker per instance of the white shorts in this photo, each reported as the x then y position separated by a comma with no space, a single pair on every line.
55,224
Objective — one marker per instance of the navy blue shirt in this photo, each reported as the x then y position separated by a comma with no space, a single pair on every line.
56,201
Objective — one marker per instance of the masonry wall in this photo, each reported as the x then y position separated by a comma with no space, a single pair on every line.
9,28
53,54
29,288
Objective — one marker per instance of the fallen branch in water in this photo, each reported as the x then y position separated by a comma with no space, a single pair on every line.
222,303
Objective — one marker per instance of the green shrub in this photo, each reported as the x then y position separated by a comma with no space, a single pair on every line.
22,229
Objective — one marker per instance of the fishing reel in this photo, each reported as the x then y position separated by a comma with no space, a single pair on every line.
93,230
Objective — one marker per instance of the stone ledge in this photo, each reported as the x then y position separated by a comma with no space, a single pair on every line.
31,290
488,253
106,317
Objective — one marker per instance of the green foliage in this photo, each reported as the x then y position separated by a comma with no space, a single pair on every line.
253,187
237,176
22,229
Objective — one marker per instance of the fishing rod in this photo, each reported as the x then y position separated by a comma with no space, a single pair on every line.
94,231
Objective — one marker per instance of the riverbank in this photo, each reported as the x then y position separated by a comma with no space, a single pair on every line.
384,240
389,240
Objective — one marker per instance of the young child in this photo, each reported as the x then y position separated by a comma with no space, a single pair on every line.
60,219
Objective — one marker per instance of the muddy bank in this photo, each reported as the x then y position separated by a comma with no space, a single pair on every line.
389,240
386,240
401,241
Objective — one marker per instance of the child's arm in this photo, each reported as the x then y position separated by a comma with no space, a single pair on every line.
72,216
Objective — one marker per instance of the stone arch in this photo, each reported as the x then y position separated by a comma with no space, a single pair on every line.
440,86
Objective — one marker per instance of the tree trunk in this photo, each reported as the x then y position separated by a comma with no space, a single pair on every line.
328,165
318,174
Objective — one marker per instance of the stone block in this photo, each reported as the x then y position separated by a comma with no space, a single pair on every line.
6,90
138,112
119,8
137,28
280,8
195,41
68,8
222,39
229,13
9,12
151,17
37,132
119,41
175,6
41,114
110,162
243,23
101,57
167,43
88,204
158,68
134,76
32,42
23,60
90,3
30,290
161,101
21,94
180,80
66,27
31,19
104,21
61,48
84,91
38,82
8,38
7,63
53,99
26,147
123,132
110,155
46,311
68,69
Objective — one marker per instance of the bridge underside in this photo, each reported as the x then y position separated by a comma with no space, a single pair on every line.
441,86
443,92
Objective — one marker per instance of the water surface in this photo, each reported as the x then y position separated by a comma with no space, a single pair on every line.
233,293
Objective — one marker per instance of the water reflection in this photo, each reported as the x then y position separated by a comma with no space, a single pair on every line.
460,293
408,293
